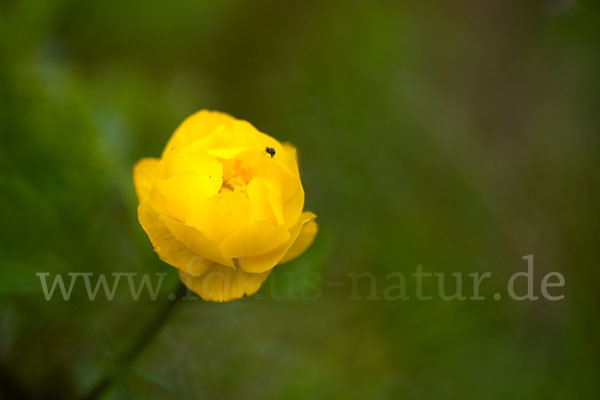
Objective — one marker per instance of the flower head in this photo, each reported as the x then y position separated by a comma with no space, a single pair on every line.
224,205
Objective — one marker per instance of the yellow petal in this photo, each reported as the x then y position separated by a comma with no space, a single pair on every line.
229,141
221,283
179,196
293,205
194,127
290,158
221,216
254,239
196,266
286,194
286,209
303,242
267,261
144,172
196,241
263,202
168,248
193,158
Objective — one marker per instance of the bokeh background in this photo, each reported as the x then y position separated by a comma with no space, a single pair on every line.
460,136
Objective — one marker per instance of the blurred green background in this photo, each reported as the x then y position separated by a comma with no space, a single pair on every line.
459,136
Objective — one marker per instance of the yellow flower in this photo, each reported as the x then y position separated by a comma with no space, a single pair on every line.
223,204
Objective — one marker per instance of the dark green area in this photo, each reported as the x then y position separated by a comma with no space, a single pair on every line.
460,136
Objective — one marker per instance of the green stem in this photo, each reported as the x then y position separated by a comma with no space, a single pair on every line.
145,338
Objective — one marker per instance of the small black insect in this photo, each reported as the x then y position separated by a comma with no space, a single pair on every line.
271,151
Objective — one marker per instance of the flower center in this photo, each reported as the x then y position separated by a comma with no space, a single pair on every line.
236,176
